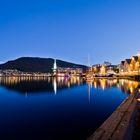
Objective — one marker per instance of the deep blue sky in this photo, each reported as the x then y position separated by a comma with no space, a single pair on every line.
108,30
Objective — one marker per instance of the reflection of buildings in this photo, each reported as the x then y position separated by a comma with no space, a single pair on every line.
55,85
89,91
104,83
47,84
39,84
126,86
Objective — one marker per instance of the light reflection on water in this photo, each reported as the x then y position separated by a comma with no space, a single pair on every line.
125,85
58,108
128,86
38,82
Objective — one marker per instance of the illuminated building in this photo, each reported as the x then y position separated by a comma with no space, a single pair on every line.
54,68
130,66
103,70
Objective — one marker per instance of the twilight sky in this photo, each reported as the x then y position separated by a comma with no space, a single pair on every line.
108,30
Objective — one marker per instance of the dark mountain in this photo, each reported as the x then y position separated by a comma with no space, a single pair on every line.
35,64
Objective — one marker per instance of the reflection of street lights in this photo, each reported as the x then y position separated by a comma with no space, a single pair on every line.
55,85
89,91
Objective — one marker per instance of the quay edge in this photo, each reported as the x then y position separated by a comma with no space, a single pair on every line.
120,125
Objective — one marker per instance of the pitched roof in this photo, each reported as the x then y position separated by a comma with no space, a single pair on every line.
135,57
122,62
128,61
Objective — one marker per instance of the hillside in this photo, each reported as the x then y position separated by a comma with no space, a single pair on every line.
36,64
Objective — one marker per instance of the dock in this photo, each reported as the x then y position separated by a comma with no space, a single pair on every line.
120,125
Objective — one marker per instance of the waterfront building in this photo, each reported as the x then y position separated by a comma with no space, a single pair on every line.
127,66
96,69
134,64
70,71
130,66
121,67
105,69
112,70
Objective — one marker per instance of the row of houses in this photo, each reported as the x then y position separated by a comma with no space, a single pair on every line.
14,72
130,66
71,71
104,69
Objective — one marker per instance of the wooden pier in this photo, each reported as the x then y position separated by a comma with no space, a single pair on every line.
119,126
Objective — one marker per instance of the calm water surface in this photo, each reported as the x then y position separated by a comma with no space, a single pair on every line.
57,109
